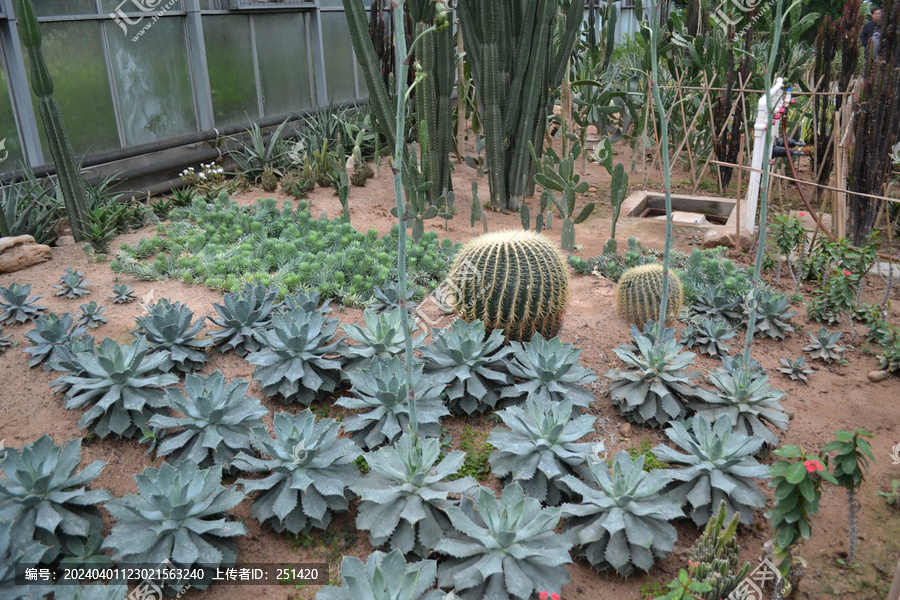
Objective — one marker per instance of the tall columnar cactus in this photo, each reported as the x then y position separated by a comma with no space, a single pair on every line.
70,180
515,63
640,290
517,281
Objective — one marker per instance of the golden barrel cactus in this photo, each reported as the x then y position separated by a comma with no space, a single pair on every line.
517,281
640,290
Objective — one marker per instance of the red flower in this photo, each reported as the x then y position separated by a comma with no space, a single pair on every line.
813,465
554,596
802,214
846,272
543,595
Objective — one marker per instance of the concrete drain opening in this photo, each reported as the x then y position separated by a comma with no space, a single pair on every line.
697,211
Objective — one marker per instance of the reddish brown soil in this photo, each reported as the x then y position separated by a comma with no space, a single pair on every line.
838,397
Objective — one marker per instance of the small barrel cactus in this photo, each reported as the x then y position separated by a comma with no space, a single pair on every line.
517,281
640,290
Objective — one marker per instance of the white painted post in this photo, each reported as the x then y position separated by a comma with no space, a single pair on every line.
764,119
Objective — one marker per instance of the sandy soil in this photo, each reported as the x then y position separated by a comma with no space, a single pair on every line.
838,397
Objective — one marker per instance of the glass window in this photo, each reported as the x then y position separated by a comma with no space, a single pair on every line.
151,7
152,80
230,60
338,3
56,8
283,56
10,147
338,57
74,55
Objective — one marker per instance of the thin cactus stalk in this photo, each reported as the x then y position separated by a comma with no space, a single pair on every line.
618,187
70,181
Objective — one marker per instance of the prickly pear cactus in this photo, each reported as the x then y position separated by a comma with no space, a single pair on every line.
640,290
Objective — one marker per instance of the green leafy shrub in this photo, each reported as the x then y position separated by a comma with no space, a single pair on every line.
384,577
404,497
622,521
539,447
718,468
168,329
243,313
116,387
549,370
49,334
17,306
380,390
72,284
27,208
851,462
309,470
381,337
504,549
45,499
218,421
178,515
299,357
471,363
705,268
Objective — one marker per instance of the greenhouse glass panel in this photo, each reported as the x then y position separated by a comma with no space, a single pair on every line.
338,57
231,77
338,3
59,8
136,7
74,55
10,146
152,80
283,57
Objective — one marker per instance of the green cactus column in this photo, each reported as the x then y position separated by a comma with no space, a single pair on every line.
68,173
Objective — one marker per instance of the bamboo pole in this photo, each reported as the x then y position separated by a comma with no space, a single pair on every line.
737,206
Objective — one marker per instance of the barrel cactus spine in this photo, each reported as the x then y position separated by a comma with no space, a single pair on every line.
517,281
640,291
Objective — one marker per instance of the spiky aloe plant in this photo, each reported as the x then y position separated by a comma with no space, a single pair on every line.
45,499
178,515
17,306
710,337
384,577
381,391
471,363
72,284
504,549
298,360
710,303
382,337
49,334
116,387
123,293
404,497
168,329
622,522
652,389
795,369
91,315
218,423
550,370
824,346
719,467
309,470
14,551
746,397
772,316
540,447
243,313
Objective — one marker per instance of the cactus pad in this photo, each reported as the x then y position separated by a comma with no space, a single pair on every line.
517,281
640,290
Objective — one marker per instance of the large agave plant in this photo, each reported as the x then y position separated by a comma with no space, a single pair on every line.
404,497
298,360
50,333
178,515
550,371
243,313
772,315
65,361
711,304
472,365
622,522
168,328
309,470
116,387
539,446
719,467
504,549
17,306
709,336
382,337
651,390
745,395
219,420
45,499
384,577
16,550
381,391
